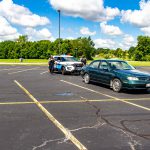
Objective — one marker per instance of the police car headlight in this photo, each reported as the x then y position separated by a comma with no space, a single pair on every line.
70,68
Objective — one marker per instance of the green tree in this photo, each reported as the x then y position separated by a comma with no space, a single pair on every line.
142,50
118,53
83,46
22,39
131,52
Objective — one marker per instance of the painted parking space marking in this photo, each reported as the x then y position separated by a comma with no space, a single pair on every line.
72,101
115,98
24,70
66,132
43,72
16,103
7,69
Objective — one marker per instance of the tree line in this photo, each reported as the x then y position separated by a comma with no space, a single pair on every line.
82,46
141,52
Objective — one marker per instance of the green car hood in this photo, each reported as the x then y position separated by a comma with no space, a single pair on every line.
133,72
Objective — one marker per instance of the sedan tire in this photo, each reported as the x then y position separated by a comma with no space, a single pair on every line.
86,78
116,85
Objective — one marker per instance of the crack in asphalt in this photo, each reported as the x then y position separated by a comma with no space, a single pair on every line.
132,142
59,141
145,136
96,126
101,121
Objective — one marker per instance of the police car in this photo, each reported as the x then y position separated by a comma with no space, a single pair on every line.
67,64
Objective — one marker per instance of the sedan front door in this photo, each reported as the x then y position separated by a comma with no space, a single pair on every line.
104,72
93,70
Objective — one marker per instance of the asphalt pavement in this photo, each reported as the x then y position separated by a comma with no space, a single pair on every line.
43,111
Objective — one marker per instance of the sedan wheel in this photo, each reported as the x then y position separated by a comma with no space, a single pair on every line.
87,78
116,85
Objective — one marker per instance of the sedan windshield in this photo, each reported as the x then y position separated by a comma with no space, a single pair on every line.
121,65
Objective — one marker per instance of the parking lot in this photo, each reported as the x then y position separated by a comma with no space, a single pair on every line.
40,111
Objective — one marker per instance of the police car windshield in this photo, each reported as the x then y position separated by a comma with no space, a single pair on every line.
69,59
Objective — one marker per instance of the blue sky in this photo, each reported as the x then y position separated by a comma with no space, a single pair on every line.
110,23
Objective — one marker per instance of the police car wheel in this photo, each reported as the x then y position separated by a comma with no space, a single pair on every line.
63,71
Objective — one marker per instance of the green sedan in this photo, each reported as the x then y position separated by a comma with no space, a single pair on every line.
117,74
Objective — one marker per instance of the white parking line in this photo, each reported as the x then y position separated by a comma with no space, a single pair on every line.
9,69
43,72
66,132
115,98
24,70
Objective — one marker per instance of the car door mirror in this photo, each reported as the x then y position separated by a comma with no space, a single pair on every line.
105,68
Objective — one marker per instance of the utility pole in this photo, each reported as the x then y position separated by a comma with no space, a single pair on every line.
59,32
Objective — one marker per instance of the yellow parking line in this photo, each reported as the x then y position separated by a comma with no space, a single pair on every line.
115,98
72,101
15,103
92,100
67,133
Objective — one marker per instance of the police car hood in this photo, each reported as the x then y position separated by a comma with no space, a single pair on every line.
70,63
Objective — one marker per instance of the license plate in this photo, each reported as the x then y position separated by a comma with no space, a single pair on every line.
148,85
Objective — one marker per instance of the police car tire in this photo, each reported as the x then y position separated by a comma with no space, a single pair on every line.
63,71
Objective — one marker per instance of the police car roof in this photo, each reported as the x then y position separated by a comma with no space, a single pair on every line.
62,56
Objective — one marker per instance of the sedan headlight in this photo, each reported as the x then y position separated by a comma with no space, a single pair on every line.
133,78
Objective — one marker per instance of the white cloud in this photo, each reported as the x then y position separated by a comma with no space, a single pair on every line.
125,43
110,29
140,17
87,9
6,28
86,31
104,43
20,15
111,13
9,37
128,40
70,38
146,30
36,35
7,32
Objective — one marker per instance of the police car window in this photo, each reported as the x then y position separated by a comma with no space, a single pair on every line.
70,59
63,59
55,58
58,58
94,64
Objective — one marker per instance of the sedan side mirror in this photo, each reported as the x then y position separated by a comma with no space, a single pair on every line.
106,69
